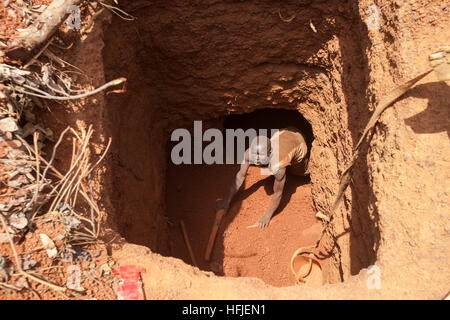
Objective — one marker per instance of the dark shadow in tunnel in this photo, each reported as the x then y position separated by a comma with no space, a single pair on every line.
435,118
270,118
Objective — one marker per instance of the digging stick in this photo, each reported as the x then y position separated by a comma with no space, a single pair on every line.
188,244
212,236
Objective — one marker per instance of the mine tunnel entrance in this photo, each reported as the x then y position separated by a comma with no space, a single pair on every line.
241,251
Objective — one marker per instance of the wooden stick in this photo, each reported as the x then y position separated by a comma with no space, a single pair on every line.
188,244
212,236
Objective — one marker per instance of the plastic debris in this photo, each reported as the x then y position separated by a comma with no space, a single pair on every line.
8,125
130,286
49,245
18,221
28,264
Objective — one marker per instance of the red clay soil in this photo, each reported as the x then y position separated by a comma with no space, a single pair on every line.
240,251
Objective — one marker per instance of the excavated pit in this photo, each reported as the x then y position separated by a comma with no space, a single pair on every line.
223,63
212,60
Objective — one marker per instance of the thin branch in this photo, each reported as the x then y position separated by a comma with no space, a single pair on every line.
117,11
29,39
32,60
59,174
36,150
79,96
54,151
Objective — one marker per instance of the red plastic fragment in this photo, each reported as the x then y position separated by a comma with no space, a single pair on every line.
130,287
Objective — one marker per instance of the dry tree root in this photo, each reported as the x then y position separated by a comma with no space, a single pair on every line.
71,184
75,182
119,12
47,23
44,95
287,20
49,84
41,29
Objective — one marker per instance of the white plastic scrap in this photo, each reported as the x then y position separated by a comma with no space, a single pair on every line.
8,125
18,221
49,245
22,283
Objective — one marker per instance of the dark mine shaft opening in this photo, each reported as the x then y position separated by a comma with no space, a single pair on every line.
191,191
271,119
